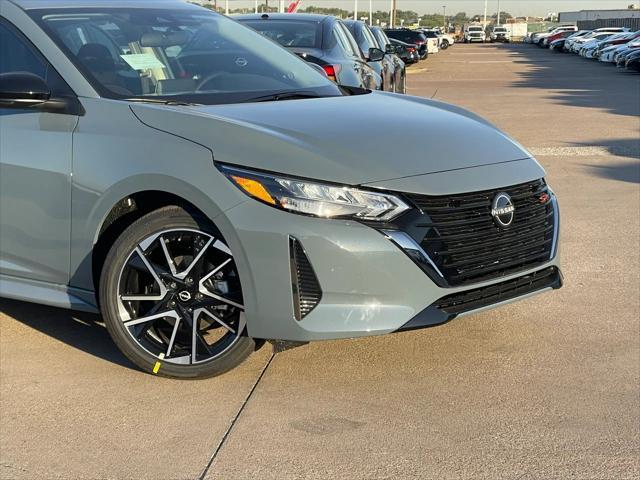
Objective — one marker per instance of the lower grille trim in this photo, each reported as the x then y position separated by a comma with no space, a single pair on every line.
477,299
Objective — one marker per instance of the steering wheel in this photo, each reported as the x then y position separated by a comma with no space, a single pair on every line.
208,79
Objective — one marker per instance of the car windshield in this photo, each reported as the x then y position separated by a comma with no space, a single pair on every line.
499,29
475,29
186,54
288,33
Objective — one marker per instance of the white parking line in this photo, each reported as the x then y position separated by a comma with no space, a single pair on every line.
589,151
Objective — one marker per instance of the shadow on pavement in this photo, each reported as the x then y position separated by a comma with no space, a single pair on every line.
579,82
623,172
76,329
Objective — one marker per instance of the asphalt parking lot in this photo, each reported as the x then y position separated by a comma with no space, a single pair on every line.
545,388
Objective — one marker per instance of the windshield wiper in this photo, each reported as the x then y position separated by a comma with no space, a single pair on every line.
159,101
274,97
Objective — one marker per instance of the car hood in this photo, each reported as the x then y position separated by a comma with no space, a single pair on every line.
353,139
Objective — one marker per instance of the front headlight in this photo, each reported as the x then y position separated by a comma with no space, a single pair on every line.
315,198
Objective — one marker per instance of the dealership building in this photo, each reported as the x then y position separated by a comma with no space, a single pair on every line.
592,19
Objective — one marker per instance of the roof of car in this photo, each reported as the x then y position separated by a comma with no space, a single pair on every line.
309,17
37,4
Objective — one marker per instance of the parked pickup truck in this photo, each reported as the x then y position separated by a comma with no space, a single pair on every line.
499,34
474,33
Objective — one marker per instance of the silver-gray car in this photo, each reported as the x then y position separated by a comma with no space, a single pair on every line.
205,190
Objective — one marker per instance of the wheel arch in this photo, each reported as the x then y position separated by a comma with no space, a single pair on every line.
122,214
131,199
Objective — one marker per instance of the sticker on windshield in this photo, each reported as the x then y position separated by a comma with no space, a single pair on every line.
142,61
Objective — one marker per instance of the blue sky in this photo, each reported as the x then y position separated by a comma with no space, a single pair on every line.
515,7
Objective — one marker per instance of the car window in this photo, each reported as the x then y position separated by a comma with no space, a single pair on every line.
369,40
352,41
288,33
190,53
18,55
343,41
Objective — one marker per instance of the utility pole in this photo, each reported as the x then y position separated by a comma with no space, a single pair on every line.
226,7
266,6
444,17
371,13
256,6
393,14
498,12
485,13
355,9
281,6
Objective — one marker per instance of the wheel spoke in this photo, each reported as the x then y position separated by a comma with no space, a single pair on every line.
203,290
148,318
173,337
196,315
183,274
222,299
212,272
165,250
156,278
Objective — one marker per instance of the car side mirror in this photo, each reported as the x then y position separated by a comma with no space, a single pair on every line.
391,49
22,89
375,55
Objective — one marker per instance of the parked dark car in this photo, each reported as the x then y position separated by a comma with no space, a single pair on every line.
400,79
410,36
408,52
633,61
319,39
373,53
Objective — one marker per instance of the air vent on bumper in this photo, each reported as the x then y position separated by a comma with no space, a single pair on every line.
304,283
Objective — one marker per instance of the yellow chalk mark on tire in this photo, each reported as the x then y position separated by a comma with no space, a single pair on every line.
156,367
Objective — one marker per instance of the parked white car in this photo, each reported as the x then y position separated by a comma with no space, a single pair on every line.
538,38
500,34
577,43
474,33
580,45
446,40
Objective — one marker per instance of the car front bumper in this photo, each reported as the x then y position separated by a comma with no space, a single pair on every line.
369,284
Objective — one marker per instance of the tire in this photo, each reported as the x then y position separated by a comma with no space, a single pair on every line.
444,45
166,262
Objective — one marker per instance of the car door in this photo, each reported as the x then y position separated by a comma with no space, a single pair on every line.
35,173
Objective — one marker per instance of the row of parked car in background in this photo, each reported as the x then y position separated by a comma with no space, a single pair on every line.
616,45
350,52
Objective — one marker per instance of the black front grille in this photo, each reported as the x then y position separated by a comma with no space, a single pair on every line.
306,289
467,245
499,292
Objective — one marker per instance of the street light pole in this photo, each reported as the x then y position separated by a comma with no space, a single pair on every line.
371,13
393,13
355,9
226,7
498,12
485,13
444,17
